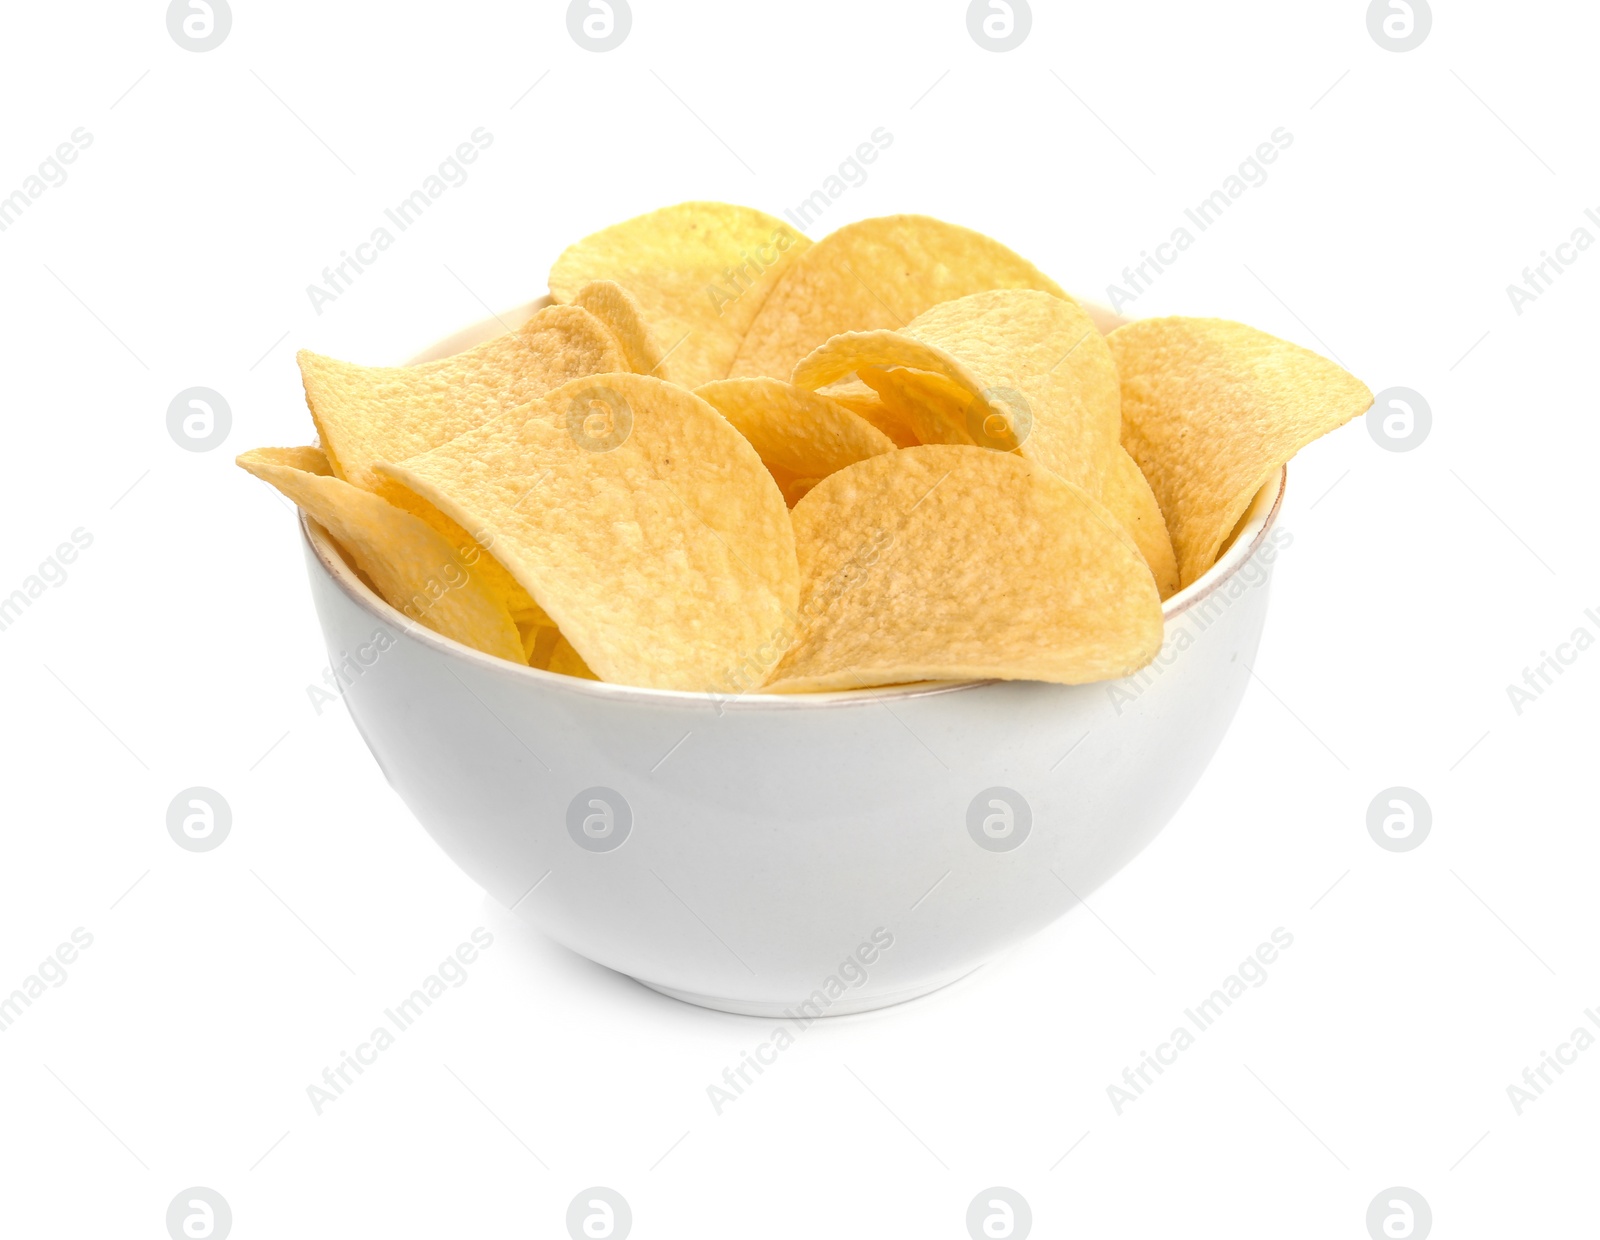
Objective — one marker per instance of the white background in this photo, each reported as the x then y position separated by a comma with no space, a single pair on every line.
177,652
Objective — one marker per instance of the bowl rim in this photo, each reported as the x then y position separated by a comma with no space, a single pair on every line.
1261,519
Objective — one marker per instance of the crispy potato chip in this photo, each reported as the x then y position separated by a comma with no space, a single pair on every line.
930,404
641,521
366,414
699,271
308,460
800,436
878,273
1211,411
948,563
568,662
1129,497
538,635
1010,369
862,401
409,563
614,306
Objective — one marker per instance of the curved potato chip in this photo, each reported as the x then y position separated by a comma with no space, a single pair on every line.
366,414
407,561
862,401
1129,497
800,436
947,563
1212,410
614,306
568,662
875,273
699,271
642,522
931,405
309,460
1009,369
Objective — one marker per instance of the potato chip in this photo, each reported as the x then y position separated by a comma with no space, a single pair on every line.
614,306
407,561
568,662
878,273
1129,497
641,521
1211,411
366,414
538,635
699,271
930,405
800,436
1013,369
862,401
949,563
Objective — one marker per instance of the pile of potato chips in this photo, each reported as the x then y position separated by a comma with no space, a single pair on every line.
728,460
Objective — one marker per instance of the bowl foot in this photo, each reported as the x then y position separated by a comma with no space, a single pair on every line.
845,1006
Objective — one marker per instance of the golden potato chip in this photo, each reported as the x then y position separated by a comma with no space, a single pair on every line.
931,405
1011,369
641,521
537,633
366,414
800,436
407,561
1129,497
862,401
699,271
308,460
876,273
1211,411
568,662
949,563
614,306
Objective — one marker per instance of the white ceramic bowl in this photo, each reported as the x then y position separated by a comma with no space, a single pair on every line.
816,854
